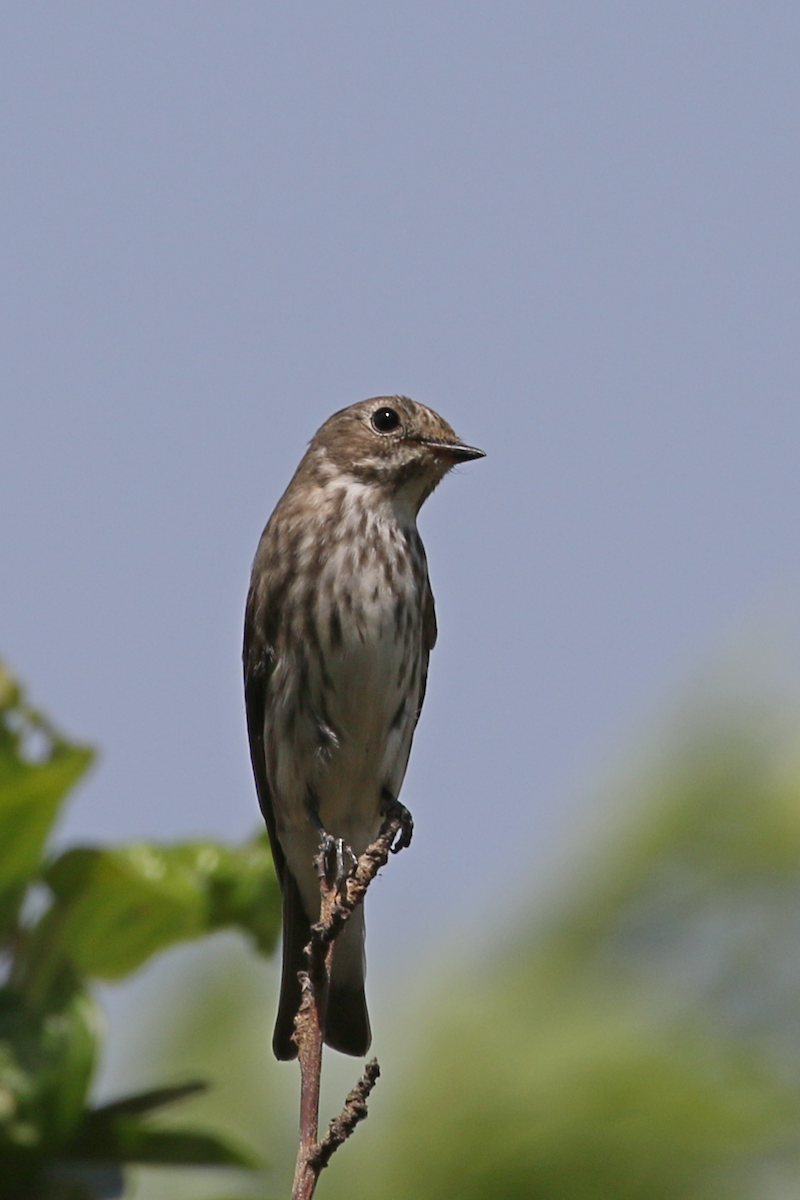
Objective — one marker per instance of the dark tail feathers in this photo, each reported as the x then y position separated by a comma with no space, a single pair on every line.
347,1021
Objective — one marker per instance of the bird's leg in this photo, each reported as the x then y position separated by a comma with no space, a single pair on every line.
393,810
338,860
346,863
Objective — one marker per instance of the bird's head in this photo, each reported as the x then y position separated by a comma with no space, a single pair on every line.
393,443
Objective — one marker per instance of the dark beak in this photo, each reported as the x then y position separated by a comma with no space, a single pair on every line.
455,450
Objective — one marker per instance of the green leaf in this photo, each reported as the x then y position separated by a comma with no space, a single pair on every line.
126,1139
47,1060
37,770
113,909
240,885
146,1102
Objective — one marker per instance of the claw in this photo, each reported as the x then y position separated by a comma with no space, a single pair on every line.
346,863
392,809
328,860
336,862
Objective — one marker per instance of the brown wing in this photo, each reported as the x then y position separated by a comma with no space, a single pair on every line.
348,1022
429,634
258,655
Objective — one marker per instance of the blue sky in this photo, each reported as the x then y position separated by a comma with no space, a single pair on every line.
572,228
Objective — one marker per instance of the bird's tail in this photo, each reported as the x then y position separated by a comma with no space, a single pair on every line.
296,934
347,1022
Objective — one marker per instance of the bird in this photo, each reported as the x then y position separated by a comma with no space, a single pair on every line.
339,625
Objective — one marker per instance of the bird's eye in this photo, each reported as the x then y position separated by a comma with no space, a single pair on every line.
384,420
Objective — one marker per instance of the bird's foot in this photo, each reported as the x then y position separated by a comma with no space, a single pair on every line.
337,862
393,810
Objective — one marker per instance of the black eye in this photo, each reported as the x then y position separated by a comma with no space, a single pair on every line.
384,420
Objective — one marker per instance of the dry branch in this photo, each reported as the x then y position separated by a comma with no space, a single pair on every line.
339,897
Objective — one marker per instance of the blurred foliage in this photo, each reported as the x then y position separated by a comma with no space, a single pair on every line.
634,1037
206,1010
641,1042
94,914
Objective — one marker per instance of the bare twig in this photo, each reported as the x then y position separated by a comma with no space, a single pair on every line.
355,1110
309,1032
338,900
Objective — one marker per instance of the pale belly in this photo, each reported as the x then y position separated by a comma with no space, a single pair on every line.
350,748
373,747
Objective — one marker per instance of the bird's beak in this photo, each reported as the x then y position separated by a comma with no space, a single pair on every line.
455,450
